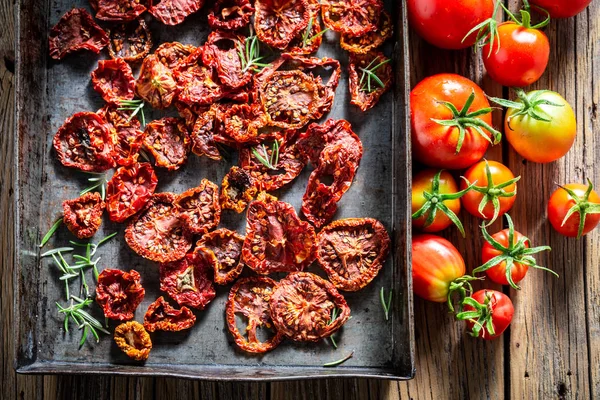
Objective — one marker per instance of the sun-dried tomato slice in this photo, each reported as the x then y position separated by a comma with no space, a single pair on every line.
230,15
86,142
223,250
161,316
128,140
131,41
75,31
198,83
199,208
119,293
156,84
83,215
221,51
352,251
241,123
114,80
332,133
157,232
237,190
277,22
371,40
129,190
187,282
173,12
302,305
202,136
364,91
276,239
249,300
352,17
118,10
310,38
169,142
133,340
174,54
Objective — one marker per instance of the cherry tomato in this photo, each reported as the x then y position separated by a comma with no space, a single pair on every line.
583,200
495,313
562,8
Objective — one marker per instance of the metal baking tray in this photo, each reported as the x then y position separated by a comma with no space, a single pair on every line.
49,91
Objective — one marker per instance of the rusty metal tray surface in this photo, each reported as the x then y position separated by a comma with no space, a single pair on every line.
48,92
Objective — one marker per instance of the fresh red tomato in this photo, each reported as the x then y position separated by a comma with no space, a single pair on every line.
562,8
580,201
446,23
442,136
488,313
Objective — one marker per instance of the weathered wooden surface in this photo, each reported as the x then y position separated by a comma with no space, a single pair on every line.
552,350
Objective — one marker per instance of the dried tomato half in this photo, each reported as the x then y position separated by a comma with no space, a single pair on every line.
114,80
230,14
118,10
371,40
199,208
302,305
198,83
75,31
129,190
352,17
277,22
168,141
119,293
133,340
241,123
161,316
132,41
352,251
332,133
310,38
187,282
249,299
202,136
86,142
223,250
276,239
156,84
157,232
83,215
237,190
128,140
365,91
221,51
173,12
174,54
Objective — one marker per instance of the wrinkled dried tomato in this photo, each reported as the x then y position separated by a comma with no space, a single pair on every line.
132,41
352,17
187,282
161,316
308,42
362,94
230,14
352,251
202,136
83,215
199,208
173,12
118,10
119,293
128,140
249,299
168,141
198,83
157,232
332,133
174,54
129,190
221,52
237,190
276,239
114,80
277,22
133,340
86,142
302,305
371,40
75,31
156,84
223,250
241,124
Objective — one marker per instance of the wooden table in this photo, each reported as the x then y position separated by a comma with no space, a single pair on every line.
552,349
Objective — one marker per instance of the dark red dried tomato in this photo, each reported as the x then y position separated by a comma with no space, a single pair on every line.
173,12
221,52
169,142
369,41
156,84
86,142
240,124
237,190
230,14
187,282
249,299
203,142
198,83
302,305
161,316
276,239
364,91
174,54
223,250
310,38
157,232
277,22
352,251
114,80
75,31
199,208
129,190
332,133
128,134
118,10
119,293
83,215
132,41
133,340
351,17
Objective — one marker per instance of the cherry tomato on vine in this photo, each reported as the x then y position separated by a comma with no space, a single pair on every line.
488,313
562,8
574,209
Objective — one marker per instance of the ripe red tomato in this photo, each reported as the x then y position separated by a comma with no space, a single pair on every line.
488,315
583,200
445,23
497,273
562,8
443,138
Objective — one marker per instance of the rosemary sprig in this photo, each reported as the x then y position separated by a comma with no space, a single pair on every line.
90,250
97,183
334,314
68,273
306,38
50,232
136,107
269,162
249,54
369,74
386,304
82,318
338,362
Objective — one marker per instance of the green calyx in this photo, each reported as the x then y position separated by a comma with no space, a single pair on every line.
513,253
435,203
481,316
464,120
528,106
582,206
461,286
